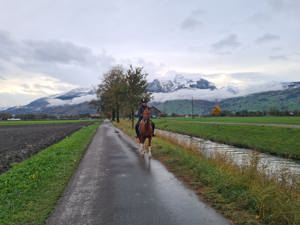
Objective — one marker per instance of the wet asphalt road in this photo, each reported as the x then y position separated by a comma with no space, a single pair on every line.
114,185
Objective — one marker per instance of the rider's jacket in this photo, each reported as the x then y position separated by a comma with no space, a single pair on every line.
140,112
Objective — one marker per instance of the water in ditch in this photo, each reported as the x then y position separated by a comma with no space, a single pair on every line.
271,165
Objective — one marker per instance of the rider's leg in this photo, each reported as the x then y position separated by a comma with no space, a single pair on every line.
153,128
137,129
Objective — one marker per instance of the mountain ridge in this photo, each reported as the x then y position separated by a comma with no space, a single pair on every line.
178,90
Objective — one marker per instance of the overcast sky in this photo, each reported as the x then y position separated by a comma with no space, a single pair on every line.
51,46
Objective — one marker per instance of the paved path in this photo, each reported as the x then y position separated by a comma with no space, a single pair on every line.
253,124
114,185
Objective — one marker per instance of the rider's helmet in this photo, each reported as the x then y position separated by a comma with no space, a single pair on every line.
144,101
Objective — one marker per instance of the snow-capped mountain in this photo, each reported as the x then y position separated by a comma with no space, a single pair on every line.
73,102
291,85
181,87
179,82
75,96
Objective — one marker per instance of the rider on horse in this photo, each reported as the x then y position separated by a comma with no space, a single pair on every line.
142,107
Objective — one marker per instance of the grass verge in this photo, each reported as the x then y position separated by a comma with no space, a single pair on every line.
29,190
274,140
244,195
292,120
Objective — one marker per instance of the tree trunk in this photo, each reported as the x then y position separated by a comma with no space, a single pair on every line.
132,118
118,114
113,115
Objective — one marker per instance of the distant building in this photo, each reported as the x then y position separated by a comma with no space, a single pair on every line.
95,116
155,112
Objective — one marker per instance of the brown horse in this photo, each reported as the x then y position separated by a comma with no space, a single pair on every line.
145,129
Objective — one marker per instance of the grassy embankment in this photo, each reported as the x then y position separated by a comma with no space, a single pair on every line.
37,122
292,120
274,140
245,195
29,190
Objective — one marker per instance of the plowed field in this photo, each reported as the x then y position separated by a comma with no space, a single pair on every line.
20,142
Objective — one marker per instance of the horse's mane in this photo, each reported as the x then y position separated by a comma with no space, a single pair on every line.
146,123
147,110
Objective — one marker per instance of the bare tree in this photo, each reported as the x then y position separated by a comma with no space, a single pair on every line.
136,84
111,91
122,90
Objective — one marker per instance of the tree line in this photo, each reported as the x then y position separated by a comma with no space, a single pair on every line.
120,92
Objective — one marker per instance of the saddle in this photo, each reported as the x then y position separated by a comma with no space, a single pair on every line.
142,128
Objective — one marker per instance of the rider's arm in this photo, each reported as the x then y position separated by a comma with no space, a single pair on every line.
140,112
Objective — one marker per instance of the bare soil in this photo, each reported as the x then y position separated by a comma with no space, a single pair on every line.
20,142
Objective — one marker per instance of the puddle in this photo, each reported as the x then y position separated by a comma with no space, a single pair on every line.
271,165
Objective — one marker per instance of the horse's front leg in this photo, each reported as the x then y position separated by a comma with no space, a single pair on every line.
142,148
149,147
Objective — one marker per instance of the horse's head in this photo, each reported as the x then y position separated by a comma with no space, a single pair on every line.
146,114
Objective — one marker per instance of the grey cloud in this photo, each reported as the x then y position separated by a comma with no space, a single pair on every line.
59,52
283,5
267,38
55,51
276,49
198,12
36,89
25,86
279,57
192,22
151,68
259,17
289,8
1,70
248,75
43,86
231,41
61,59
8,46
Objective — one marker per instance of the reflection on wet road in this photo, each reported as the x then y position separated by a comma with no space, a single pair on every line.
114,185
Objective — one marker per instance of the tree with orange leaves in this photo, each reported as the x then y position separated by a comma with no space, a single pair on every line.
216,111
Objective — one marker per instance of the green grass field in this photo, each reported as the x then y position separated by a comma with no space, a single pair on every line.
33,122
245,196
275,140
294,120
30,190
